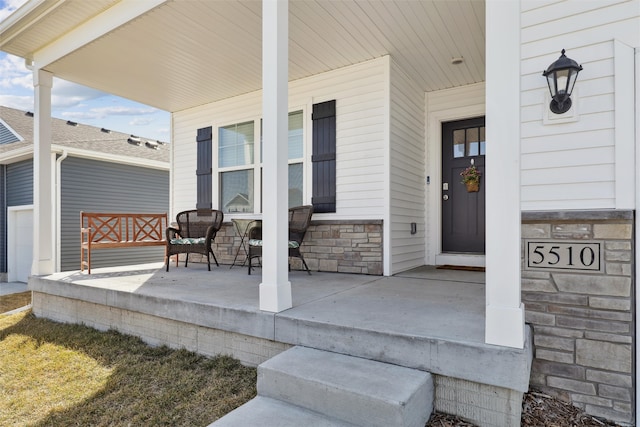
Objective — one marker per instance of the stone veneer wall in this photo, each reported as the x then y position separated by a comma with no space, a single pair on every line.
332,246
583,323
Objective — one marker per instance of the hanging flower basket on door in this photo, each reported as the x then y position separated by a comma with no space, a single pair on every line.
471,179
472,186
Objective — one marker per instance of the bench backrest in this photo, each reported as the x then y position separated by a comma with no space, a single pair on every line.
124,227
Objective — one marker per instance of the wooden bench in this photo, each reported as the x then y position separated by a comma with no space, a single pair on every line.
119,230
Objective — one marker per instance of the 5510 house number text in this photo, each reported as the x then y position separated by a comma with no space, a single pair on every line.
563,255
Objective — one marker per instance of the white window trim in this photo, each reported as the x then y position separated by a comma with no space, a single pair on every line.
307,176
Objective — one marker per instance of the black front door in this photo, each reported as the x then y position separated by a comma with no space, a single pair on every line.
463,145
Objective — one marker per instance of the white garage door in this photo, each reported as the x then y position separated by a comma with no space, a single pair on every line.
20,244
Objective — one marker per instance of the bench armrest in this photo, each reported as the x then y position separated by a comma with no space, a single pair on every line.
85,234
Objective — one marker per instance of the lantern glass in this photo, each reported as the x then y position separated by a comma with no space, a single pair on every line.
573,76
562,79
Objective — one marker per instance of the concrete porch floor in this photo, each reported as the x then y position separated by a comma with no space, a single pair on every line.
426,318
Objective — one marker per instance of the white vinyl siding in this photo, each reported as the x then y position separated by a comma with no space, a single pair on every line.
359,91
579,164
407,171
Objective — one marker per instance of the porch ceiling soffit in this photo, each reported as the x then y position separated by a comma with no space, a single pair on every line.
177,54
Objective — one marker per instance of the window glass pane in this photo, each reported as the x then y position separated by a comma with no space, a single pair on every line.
236,191
261,146
473,143
295,135
295,184
458,143
295,138
483,144
235,145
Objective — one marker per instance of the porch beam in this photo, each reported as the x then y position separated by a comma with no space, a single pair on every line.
43,259
504,324
275,289
107,21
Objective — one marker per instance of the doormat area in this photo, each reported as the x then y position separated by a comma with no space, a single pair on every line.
460,267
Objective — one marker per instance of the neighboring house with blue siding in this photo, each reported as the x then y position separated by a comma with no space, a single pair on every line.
94,169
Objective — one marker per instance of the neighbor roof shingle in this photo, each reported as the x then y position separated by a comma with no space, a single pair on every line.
82,137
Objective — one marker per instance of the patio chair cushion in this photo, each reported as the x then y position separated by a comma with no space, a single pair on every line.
188,241
292,243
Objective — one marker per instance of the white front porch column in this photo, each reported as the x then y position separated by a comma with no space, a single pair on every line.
275,289
42,179
504,310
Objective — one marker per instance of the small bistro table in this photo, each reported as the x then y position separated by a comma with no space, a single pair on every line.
242,228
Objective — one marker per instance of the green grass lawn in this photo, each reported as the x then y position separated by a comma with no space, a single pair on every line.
54,374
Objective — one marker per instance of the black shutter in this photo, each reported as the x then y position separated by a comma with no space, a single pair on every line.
204,169
324,157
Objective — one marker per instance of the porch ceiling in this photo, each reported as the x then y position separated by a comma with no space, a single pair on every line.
182,54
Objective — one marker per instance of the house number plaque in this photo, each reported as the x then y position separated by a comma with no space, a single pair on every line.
563,255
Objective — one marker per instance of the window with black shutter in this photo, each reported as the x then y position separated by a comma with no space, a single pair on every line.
323,158
204,169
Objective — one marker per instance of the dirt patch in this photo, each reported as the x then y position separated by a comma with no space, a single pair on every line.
13,301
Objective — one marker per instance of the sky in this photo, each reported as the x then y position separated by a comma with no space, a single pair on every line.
78,103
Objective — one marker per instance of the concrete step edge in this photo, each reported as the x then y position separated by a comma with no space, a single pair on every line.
267,412
359,391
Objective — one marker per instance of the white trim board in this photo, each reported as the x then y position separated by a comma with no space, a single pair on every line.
13,273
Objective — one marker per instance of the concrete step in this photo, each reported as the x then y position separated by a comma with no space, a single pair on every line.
266,412
359,391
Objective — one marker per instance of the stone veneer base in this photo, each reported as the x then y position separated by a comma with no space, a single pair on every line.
583,323
338,246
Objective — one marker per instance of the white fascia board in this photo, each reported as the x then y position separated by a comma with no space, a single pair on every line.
18,155
10,129
27,153
20,14
109,20
113,158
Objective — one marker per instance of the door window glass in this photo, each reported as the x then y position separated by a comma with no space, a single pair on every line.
469,142
473,143
459,143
